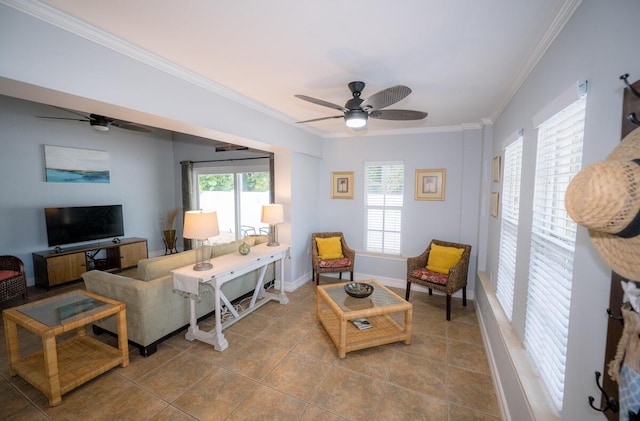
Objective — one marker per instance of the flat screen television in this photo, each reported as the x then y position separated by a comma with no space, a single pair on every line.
83,223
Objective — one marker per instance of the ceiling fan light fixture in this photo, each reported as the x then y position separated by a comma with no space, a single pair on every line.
356,119
99,127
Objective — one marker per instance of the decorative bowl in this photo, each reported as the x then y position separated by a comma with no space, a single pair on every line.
358,289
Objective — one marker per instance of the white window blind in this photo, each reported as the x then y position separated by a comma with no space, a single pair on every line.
384,196
553,234
509,225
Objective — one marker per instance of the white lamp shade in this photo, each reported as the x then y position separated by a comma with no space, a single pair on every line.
200,225
272,214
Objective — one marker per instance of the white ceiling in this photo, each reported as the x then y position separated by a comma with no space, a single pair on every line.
463,60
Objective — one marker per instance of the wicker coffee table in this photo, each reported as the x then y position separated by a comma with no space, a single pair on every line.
61,367
388,313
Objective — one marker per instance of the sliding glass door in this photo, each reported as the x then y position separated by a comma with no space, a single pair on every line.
236,193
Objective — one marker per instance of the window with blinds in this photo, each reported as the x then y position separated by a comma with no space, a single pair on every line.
384,196
553,234
509,225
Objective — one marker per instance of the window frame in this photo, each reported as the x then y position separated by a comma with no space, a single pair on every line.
509,222
552,246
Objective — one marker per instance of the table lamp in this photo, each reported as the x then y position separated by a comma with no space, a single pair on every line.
200,225
272,214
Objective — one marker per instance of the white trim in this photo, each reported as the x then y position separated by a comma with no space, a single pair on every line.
539,403
71,24
512,138
559,103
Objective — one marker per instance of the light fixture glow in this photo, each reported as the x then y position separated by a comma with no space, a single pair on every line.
100,128
356,119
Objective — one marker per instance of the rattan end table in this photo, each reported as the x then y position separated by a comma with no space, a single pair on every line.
61,367
335,310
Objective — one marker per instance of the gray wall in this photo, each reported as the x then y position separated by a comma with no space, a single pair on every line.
454,219
141,171
598,44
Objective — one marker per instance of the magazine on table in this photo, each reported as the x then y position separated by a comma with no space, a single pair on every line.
362,323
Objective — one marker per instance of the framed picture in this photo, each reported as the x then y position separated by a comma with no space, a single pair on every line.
75,165
495,203
430,184
495,169
342,185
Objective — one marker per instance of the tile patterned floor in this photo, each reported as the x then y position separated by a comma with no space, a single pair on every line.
281,365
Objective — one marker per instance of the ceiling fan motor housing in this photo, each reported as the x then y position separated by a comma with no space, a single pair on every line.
356,88
99,123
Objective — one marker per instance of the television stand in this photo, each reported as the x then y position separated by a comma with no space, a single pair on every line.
59,266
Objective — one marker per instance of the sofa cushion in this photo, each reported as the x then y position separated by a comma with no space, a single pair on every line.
6,274
156,267
426,275
216,250
334,263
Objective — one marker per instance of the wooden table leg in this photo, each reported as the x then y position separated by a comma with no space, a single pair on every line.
123,344
13,346
50,354
408,316
343,339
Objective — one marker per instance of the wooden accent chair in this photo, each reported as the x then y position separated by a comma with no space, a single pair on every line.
13,280
339,265
455,280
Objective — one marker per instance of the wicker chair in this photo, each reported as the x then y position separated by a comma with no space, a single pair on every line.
331,266
13,280
454,281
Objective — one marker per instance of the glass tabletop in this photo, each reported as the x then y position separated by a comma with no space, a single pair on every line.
379,298
63,309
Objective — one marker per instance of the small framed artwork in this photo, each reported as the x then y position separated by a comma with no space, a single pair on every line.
342,185
430,184
495,169
495,203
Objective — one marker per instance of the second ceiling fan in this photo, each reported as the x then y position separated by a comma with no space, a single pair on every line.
357,111
102,123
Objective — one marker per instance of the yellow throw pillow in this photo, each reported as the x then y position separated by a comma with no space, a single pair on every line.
441,258
329,248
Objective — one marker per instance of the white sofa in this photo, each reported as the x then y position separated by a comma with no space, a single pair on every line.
154,310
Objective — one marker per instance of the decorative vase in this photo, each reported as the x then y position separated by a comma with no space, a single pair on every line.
169,241
244,248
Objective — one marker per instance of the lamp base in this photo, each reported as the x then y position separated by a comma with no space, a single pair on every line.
202,266
273,244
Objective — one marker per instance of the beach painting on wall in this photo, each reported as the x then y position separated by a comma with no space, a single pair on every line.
75,165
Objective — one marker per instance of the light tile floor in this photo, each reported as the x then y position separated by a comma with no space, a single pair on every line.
281,365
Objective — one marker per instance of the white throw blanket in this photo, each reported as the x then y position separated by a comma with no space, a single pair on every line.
185,283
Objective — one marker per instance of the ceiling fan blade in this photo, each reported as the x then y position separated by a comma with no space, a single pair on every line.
64,118
385,97
398,114
321,118
321,102
71,111
131,126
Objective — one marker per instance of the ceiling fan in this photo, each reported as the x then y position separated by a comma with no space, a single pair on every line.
102,123
357,111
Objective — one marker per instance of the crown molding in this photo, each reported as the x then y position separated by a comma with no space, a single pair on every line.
565,12
55,17
400,132
71,24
